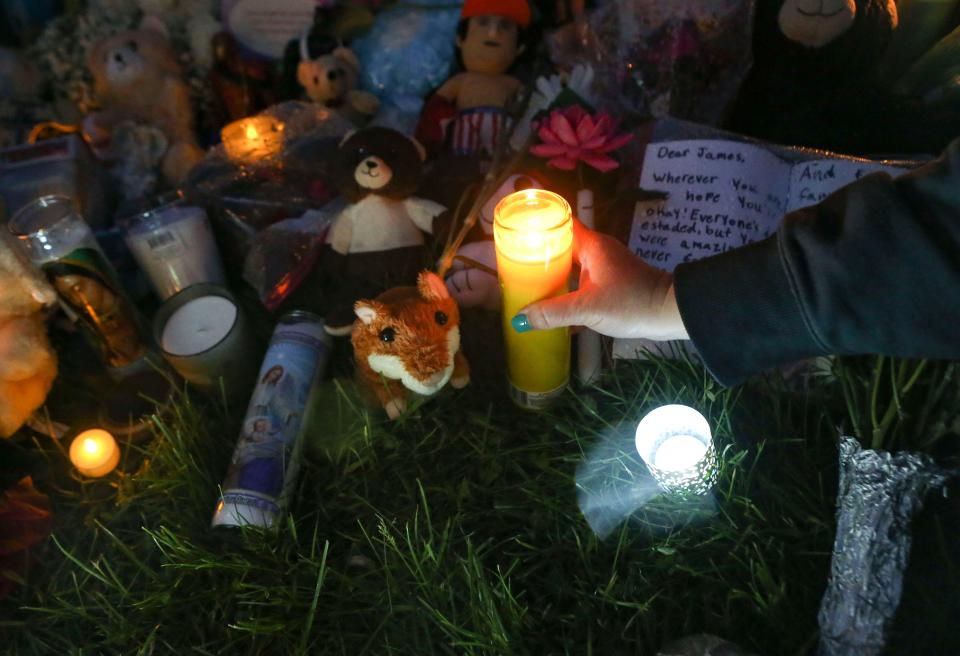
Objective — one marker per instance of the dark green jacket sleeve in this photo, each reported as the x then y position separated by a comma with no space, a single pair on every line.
873,268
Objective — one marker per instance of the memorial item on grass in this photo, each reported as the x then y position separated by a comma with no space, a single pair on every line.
407,340
265,462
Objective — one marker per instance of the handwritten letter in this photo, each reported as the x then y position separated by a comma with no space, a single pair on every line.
811,182
722,195
725,194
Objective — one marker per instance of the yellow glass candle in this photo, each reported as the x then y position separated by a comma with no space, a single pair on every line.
94,453
252,139
533,232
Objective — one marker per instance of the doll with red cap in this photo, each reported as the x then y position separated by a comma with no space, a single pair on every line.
467,113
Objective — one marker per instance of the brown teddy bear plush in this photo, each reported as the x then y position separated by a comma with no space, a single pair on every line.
377,242
27,363
137,78
331,80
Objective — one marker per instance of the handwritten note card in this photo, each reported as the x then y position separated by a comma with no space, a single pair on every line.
724,194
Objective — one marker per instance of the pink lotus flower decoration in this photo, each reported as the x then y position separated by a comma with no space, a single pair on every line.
572,135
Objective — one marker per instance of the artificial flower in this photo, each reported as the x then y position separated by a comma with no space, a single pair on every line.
573,135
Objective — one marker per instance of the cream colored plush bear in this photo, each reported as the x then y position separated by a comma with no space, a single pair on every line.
28,364
331,80
137,78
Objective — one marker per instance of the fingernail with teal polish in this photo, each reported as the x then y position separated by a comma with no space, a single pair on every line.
521,324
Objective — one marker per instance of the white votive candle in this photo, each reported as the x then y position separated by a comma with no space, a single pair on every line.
198,325
94,453
679,452
203,333
175,247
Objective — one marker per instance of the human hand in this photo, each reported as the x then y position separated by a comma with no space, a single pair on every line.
620,295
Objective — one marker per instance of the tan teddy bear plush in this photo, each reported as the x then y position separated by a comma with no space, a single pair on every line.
137,78
331,80
28,364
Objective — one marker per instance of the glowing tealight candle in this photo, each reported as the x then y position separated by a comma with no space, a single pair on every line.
533,233
94,453
252,139
676,444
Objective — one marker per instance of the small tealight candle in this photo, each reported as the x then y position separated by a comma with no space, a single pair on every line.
94,453
676,444
252,139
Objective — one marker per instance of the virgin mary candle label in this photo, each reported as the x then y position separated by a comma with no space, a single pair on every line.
56,238
85,283
264,464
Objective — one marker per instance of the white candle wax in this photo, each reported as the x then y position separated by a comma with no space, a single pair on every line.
199,325
175,247
679,452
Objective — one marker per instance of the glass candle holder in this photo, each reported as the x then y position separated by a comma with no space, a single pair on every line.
676,444
533,233
174,246
253,139
56,238
204,335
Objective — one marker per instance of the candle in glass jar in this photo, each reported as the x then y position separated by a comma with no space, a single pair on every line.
174,246
252,139
204,335
94,453
676,444
533,233
198,325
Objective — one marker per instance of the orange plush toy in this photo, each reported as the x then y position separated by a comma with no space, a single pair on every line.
467,113
27,363
407,340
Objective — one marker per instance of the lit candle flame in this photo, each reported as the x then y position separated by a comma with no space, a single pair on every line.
94,452
252,131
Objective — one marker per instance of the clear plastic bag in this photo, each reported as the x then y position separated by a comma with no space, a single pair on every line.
284,254
653,58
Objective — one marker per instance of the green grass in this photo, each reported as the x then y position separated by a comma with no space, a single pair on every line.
457,531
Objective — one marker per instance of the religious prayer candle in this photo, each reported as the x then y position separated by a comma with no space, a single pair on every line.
533,233
263,469
203,334
94,453
252,139
57,239
174,246
676,444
